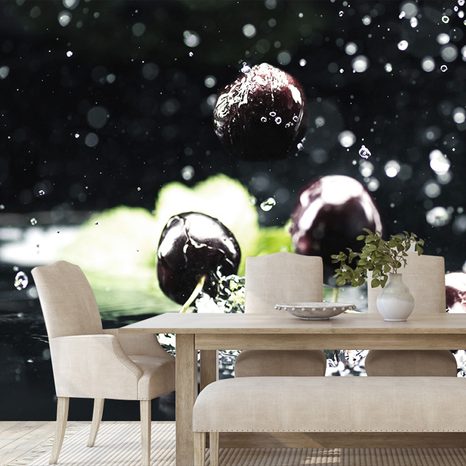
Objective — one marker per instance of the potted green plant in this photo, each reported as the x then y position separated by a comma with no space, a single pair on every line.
380,260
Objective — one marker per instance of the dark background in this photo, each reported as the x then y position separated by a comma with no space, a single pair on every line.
129,108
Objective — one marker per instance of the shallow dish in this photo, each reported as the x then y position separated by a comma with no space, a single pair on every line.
315,311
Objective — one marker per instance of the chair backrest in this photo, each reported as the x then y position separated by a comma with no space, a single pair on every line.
425,278
282,278
67,300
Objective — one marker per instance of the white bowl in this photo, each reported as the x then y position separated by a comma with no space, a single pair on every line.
315,311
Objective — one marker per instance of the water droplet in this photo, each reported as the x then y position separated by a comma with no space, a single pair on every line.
138,188
346,138
272,114
413,22
459,115
392,168
443,68
302,62
300,146
187,172
364,152
97,117
245,68
69,53
366,20
428,64
360,64
439,162
191,54
278,120
2,206
210,81
64,18
340,13
351,48
443,38
373,184
408,10
191,38
4,72
388,67
319,121
268,204
71,4
366,169
249,30
438,216
33,221
432,189
41,192
21,280
295,118
449,53
403,45
263,119
445,19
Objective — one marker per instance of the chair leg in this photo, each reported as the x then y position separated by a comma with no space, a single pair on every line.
146,419
96,418
62,416
199,449
213,443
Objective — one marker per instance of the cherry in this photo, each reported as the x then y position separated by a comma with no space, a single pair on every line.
330,213
261,115
194,247
456,291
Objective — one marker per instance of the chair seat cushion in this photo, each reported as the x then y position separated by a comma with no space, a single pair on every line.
158,376
332,404
411,363
252,363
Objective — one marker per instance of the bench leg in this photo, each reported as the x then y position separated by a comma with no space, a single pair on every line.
213,443
199,449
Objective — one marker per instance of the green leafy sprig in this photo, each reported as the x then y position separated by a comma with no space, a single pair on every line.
378,256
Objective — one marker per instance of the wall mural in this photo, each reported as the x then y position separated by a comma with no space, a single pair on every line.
159,144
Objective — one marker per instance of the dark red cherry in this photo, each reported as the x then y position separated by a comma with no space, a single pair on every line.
456,291
193,245
330,213
261,115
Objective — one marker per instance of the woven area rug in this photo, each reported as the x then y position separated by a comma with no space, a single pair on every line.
119,444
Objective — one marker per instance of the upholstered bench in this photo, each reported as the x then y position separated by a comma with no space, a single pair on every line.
327,404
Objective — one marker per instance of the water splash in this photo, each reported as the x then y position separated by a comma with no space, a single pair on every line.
245,68
21,281
268,204
364,152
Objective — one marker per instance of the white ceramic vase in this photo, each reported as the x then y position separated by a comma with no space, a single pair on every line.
395,302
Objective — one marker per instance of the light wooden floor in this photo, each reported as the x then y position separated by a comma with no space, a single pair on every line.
18,438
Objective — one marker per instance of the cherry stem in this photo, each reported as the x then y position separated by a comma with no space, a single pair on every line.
194,295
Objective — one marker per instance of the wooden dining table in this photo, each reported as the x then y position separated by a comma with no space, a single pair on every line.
208,333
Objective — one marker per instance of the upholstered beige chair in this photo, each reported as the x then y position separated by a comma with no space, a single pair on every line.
89,362
425,277
281,278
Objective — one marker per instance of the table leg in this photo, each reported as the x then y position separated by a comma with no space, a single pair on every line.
209,367
186,391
